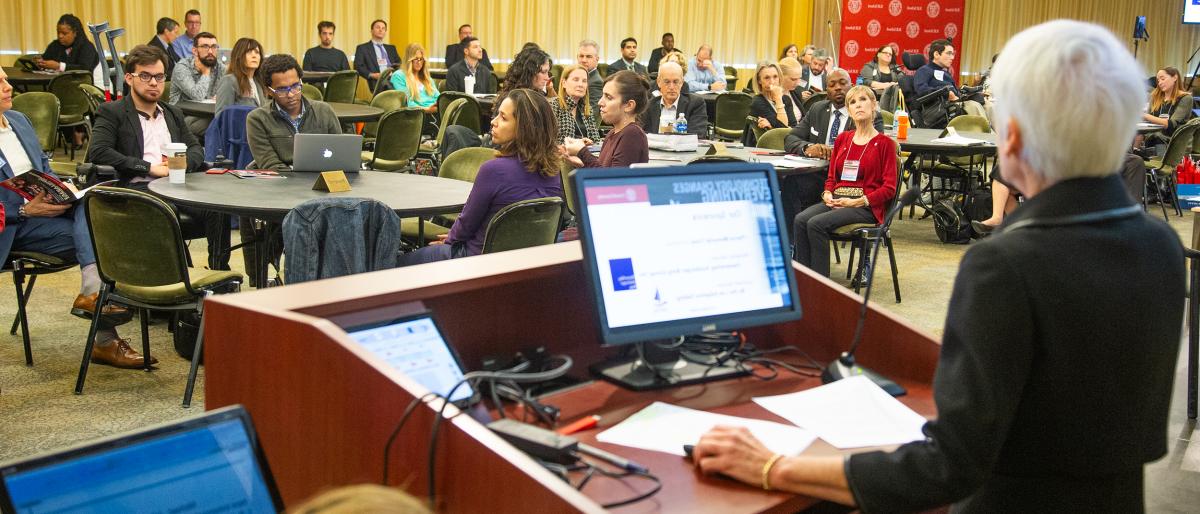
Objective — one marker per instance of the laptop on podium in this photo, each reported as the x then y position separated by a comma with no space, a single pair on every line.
208,463
327,152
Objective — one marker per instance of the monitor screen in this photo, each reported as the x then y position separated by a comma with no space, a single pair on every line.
1191,11
210,466
414,346
683,250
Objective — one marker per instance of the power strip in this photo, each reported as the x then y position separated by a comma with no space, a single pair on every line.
536,441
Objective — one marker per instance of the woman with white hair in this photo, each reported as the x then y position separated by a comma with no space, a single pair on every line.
1060,343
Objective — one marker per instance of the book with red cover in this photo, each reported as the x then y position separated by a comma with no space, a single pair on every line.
34,182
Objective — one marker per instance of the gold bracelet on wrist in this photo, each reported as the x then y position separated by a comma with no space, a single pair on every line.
766,471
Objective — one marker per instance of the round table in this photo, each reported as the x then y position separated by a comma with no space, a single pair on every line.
346,113
271,199
20,77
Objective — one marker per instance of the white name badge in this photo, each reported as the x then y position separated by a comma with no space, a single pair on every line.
939,74
850,171
382,63
803,84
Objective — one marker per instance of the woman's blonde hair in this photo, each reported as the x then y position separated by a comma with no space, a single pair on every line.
676,57
584,102
762,66
411,77
862,90
790,64
353,499
1157,98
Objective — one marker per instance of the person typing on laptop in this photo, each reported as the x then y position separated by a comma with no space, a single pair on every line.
270,129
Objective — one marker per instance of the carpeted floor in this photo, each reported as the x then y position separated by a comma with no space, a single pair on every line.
39,412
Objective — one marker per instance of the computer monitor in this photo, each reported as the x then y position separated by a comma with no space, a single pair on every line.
683,250
208,463
414,345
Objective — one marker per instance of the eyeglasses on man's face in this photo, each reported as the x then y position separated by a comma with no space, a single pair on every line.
146,78
287,90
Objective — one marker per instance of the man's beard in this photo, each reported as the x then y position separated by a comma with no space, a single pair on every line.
209,61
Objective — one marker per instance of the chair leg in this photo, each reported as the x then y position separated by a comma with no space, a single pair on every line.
144,318
864,258
895,272
22,299
91,339
837,254
28,291
196,355
1173,188
1161,201
850,260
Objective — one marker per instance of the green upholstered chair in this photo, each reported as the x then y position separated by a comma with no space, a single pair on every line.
568,187
399,137
466,119
384,83
860,234
956,174
732,109
1160,171
24,264
555,75
462,165
312,93
524,224
889,118
448,117
731,78
42,109
387,101
146,268
773,139
816,97
756,130
342,87
603,69
73,103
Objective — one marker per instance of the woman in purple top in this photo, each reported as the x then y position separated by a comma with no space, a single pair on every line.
526,167
625,95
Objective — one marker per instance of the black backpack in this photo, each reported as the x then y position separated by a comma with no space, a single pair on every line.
979,204
951,225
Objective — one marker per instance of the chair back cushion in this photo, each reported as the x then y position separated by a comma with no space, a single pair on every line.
42,111
72,100
399,138
136,238
773,139
464,163
524,224
342,86
312,93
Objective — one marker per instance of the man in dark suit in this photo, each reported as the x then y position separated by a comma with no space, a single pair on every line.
1053,387
814,138
470,66
166,32
673,103
131,136
374,56
628,60
668,45
39,225
454,52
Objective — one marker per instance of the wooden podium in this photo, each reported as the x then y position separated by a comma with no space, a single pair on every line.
324,408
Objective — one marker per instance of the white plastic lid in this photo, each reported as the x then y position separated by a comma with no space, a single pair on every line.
176,147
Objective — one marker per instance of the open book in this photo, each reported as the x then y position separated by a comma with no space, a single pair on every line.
34,182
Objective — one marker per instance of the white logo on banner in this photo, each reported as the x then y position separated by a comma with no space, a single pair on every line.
912,29
933,9
895,7
854,6
951,30
873,28
851,48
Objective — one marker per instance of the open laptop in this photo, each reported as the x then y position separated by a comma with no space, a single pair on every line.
208,463
414,345
327,152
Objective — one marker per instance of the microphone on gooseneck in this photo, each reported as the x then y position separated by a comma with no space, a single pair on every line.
845,366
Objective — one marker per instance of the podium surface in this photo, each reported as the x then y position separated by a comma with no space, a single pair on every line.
324,407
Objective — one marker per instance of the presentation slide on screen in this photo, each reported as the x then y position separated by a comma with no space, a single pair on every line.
417,349
671,248
1191,11
212,469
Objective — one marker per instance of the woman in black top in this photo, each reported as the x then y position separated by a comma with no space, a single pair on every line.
1170,105
771,106
881,72
72,50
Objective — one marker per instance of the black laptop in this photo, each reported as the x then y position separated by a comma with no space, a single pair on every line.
209,463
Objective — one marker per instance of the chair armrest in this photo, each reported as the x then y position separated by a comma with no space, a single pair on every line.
943,91
90,174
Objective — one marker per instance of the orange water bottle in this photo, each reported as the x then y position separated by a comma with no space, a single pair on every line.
901,125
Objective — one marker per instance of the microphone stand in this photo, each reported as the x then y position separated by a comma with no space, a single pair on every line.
845,366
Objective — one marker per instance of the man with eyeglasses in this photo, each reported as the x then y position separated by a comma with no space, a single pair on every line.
182,45
132,135
271,128
196,79
936,74
673,102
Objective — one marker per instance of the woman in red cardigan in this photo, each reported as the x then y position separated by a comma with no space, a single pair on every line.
862,180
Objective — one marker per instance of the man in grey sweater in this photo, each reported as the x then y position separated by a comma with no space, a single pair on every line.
195,79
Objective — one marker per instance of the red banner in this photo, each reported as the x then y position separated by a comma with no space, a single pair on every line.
909,24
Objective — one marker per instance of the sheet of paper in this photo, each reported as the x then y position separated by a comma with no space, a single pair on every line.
958,140
849,413
666,428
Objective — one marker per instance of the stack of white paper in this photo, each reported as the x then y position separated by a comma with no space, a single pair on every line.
849,413
673,142
666,428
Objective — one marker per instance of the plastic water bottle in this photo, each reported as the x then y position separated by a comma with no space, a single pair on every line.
681,124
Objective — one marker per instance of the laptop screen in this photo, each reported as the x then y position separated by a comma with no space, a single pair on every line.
207,467
414,346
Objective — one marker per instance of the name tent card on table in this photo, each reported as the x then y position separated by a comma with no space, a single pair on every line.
332,181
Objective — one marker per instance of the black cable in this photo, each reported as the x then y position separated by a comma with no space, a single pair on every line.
387,448
643,474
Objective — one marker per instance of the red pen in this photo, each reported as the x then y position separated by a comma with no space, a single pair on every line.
582,424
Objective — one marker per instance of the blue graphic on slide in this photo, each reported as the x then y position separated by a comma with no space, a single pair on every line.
622,274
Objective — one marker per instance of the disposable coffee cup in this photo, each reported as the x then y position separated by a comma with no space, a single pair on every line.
176,163
469,84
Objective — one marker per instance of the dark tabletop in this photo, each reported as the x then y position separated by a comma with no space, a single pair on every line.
271,199
749,154
19,77
919,140
346,113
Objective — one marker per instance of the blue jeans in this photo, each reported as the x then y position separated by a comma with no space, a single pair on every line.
58,236
433,253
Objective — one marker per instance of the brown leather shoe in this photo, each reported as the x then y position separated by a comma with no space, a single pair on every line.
85,305
116,352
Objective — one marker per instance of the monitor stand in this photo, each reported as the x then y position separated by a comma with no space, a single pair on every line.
656,367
